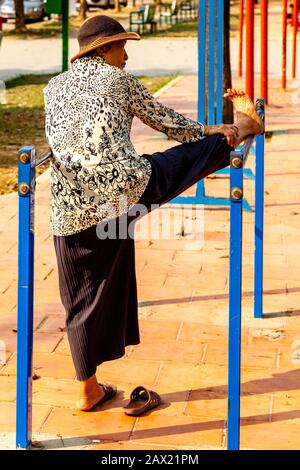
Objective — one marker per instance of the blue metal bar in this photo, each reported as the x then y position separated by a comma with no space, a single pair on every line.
211,63
220,42
235,299
248,173
26,186
201,60
201,74
259,216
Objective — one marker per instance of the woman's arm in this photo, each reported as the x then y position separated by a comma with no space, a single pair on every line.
158,116
161,118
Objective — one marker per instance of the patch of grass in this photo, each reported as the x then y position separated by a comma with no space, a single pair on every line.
22,121
155,83
178,30
42,29
52,27
189,29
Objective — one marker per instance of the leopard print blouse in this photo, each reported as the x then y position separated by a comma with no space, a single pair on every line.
96,173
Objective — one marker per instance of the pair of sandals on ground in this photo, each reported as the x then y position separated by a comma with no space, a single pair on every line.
141,399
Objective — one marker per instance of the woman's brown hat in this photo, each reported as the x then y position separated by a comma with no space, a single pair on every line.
99,30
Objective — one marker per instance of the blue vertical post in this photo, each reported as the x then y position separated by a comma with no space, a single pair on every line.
259,216
235,298
201,75
201,59
211,118
26,186
220,42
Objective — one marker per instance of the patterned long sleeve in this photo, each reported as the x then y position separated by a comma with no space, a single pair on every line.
160,117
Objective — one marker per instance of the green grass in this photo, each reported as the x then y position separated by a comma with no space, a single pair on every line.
42,29
22,121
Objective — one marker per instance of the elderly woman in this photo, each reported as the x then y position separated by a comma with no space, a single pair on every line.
97,175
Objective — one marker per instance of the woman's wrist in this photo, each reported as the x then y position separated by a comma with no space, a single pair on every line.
207,130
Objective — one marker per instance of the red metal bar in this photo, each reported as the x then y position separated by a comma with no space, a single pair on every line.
295,30
284,27
264,50
250,48
240,70
1,21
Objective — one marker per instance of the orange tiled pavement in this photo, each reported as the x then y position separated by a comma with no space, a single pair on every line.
183,317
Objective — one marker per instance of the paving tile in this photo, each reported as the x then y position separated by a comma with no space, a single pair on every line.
54,392
251,356
52,324
63,346
45,365
8,416
269,381
290,355
159,329
286,401
280,435
169,351
193,432
178,376
214,404
46,342
7,389
134,371
96,425
192,331
131,445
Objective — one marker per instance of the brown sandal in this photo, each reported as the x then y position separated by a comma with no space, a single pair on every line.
142,400
110,391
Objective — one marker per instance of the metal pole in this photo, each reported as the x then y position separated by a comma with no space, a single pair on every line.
295,30
250,48
220,46
201,77
259,215
264,49
65,34
284,24
235,299
26,186
201,60
211,119
240,69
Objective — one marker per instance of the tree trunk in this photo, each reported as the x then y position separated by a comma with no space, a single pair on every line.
20,26
117,6
227,81
82,10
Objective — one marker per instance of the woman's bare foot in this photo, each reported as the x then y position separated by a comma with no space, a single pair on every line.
90,393
244,107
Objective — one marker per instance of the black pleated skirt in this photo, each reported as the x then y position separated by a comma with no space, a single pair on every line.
97,277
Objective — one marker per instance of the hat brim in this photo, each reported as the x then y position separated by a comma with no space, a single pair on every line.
107,40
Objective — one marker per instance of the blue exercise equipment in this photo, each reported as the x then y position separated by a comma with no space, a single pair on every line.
237,161
27,164
214,66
